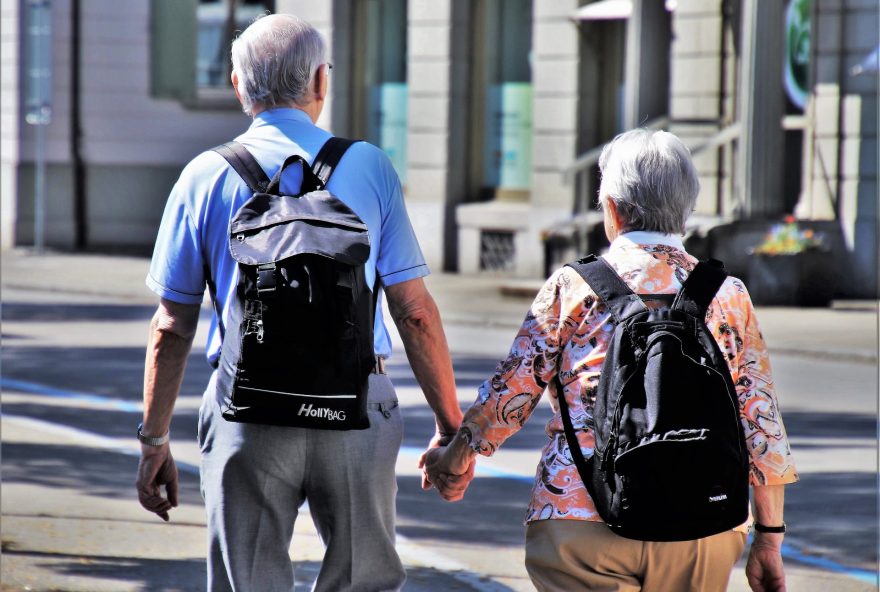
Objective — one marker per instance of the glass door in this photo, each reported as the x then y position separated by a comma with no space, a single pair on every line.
501,163
381,101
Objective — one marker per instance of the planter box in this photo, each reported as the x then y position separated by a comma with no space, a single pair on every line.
801,279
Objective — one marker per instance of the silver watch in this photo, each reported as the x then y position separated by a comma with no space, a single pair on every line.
152,440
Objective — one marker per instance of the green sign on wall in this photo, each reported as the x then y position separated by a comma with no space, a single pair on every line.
392,99
508,142
797,51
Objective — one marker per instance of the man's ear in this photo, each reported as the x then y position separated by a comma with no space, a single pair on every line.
322,82
234,78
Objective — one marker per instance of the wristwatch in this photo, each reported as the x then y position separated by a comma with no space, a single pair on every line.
152,440
769,529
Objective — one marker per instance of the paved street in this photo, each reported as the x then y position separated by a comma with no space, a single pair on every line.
74,330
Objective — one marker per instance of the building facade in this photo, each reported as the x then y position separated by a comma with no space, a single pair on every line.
492,111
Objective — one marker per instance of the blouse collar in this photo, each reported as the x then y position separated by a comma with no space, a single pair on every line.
645,237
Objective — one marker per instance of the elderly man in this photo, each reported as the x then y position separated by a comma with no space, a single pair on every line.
649,187
255,477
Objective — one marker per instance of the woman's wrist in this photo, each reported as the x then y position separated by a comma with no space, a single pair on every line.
459,454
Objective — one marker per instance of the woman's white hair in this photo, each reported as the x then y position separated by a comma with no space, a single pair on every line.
276,58
651,179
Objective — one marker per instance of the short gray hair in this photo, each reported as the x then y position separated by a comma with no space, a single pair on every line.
651,179
276,58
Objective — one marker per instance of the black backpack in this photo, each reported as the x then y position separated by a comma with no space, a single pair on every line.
670,461
298,350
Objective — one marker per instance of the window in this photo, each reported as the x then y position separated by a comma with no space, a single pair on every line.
379,75
218,23
501,103
190,41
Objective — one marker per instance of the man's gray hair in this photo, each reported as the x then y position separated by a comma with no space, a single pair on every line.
651,179
276,58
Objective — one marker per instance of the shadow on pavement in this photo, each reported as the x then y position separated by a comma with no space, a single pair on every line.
833,513
802,424
33,312
190,575
839,523
491,512
115,372
106,422
153,575
87,470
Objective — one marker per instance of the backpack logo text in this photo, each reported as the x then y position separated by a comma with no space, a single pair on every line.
321,412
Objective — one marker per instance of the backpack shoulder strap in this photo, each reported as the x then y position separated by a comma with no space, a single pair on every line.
329,156
700,288
604,281
243,163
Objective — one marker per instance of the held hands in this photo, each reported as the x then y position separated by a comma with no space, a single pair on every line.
448,466
156,469
764,570
439,439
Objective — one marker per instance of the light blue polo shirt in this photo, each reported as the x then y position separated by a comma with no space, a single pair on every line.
194,230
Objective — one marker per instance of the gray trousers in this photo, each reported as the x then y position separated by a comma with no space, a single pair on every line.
255,478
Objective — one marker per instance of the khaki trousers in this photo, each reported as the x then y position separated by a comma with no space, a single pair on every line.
572,555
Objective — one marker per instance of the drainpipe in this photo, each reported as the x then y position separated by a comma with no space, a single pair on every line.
79,171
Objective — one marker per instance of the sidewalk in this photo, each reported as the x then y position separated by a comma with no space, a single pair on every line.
847,331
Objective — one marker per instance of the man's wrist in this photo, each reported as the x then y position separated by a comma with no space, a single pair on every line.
770,529
150,440
447,429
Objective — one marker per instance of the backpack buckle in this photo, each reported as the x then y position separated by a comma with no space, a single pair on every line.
267,281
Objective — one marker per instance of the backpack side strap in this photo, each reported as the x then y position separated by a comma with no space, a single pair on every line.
329,156
611,289
700,287
243,163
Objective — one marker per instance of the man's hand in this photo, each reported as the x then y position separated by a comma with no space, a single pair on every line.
156,469
764,569
447,473
439,439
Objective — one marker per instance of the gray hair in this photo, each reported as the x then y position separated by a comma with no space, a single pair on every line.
276,58
651,179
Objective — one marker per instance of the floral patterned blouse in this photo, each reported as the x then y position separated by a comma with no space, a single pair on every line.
566,333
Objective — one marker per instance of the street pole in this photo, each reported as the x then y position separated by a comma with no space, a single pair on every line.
39,103
40,190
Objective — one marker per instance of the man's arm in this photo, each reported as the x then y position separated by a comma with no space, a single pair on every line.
764,569
418,321
171,335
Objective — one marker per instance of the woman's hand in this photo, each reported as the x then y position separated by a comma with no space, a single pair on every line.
448,468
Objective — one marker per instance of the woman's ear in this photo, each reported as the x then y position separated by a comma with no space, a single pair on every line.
614,213
613,223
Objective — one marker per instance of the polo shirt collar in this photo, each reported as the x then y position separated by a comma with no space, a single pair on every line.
640,238
279,114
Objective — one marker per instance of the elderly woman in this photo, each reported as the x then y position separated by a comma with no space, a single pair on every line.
649,188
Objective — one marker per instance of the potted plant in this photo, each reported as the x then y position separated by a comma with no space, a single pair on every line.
792,267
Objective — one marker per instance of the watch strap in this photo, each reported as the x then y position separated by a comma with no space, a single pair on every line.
769,529
152,440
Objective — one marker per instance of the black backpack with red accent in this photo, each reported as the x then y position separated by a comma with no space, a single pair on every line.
670,461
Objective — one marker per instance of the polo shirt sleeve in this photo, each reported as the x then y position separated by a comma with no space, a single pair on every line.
177,268
400,257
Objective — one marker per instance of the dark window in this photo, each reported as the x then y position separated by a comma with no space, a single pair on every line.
189,47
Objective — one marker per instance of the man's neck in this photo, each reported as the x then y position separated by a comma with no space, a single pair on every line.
312,109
